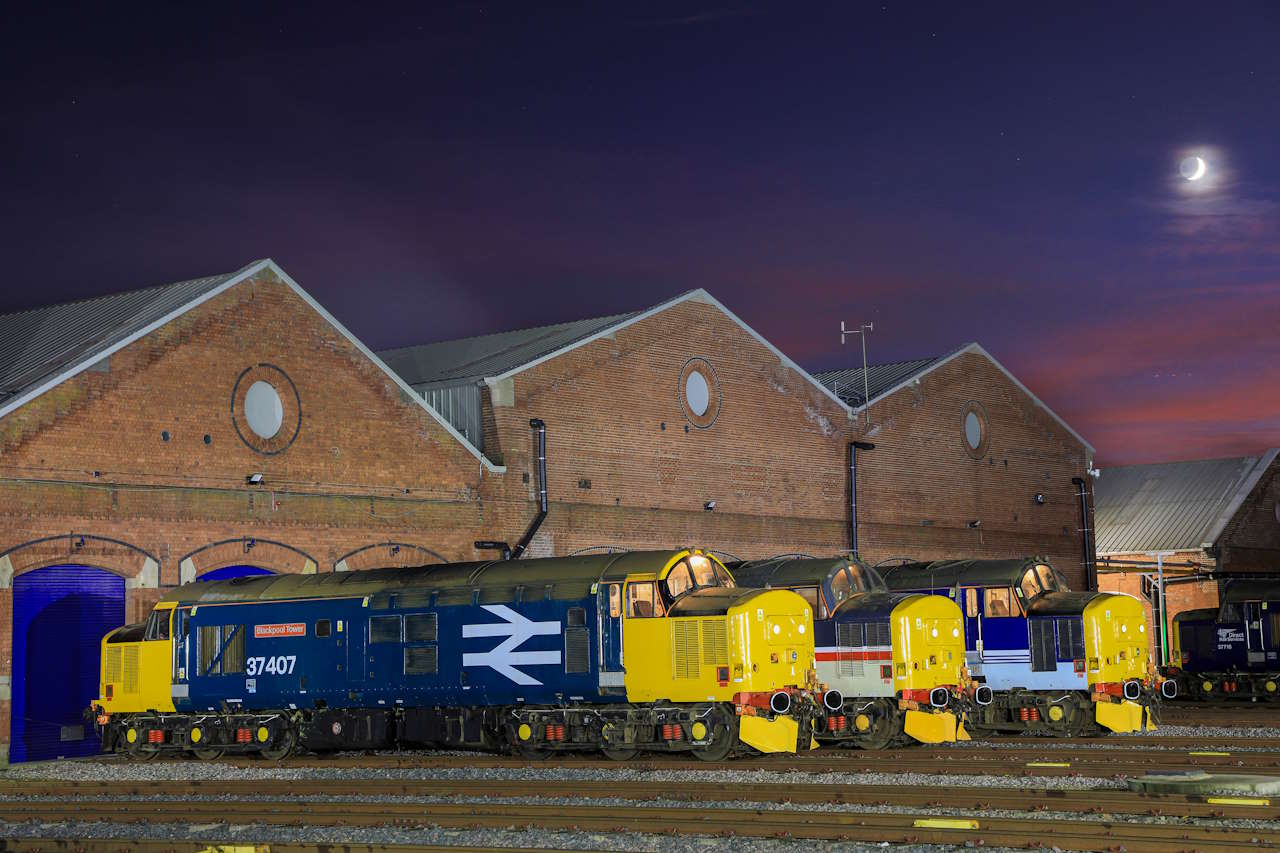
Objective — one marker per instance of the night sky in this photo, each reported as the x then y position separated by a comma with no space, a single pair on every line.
1006,174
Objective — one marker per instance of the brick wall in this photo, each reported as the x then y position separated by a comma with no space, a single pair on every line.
920,488
1251,540
776,458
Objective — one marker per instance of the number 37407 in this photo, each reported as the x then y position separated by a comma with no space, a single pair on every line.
278,665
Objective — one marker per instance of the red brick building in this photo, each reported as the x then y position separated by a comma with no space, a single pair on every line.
1198,523
231,425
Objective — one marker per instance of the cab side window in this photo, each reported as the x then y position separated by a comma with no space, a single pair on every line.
643,600
1030,585
809,594
1000,602
971,602
158,625
678,580
615,600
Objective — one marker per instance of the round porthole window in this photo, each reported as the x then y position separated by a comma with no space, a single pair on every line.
696,393
263,410
699,392
974,430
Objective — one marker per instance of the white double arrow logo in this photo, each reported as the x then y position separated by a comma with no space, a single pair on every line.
504,658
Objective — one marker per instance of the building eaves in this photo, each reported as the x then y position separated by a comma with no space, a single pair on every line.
1172,506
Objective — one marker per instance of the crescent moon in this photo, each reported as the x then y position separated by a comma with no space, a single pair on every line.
1199,172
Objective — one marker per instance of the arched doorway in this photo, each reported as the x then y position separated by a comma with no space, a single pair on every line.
228,572
60,614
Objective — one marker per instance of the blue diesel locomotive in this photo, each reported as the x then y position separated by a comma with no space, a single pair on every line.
1046,660
1232,651
656,651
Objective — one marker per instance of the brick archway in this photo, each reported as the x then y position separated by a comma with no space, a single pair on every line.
247,550
136,565
384,554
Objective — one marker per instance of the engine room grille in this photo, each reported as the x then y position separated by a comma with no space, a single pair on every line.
420,660
1043,650
878,634
848,638
715,646
113,666
131,670
577,654
684,648
1071,638
420,628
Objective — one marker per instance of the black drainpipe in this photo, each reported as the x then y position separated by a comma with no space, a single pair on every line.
509,553
854,447
1090,569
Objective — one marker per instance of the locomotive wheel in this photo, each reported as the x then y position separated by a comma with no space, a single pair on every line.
885,728
532,753
724,739
209,754
622,754
283,746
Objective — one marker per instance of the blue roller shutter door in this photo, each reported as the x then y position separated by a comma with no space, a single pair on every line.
228,572
60,615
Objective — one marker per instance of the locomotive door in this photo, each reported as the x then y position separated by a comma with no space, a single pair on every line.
609,600
1253,631
181,656
1002,626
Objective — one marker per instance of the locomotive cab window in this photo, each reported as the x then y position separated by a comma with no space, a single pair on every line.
864,581
696,572
158,625
1048,579
615,600
1030,586
1000,601
971,602
643,600
809,594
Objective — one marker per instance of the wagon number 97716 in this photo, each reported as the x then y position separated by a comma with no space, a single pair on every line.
278,665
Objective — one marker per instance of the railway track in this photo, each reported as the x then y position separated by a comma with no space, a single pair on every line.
1110,802
1241,715
1040,759
753,823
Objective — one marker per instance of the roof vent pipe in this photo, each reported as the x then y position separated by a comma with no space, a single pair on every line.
1090,568
508,552
523,544
854,447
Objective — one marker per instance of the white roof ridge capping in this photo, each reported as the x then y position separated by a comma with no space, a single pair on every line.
236,278
974,347
698,295
1245,487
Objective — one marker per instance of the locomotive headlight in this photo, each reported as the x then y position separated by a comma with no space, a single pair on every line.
1142,629
1124,629
777,629
800,628
933,632
955,632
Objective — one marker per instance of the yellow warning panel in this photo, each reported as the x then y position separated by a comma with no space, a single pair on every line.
1207,752
945,823
1048,764
1238,801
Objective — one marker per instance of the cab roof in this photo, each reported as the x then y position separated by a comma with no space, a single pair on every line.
787,570
948,573
569,577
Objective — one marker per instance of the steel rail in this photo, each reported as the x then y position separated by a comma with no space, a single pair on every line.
974,798
759,823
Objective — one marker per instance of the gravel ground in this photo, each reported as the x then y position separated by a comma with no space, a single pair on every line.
514,838
120,771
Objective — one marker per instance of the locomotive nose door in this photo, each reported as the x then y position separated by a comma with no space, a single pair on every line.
1253,631
610,614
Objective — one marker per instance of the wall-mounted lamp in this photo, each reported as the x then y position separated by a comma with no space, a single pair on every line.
709,505
254,480
248,545
1040,498
975,524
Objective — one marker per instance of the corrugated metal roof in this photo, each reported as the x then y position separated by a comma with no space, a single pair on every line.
38,343
1171,506
847,384
472,359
